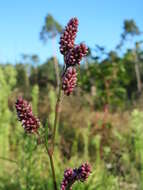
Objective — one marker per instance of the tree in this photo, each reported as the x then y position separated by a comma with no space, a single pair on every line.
22,77
131,29
50,30
45,74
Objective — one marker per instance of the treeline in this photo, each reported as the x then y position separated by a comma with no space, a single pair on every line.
111,78
115,80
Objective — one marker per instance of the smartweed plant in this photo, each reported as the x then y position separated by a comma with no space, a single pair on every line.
73,54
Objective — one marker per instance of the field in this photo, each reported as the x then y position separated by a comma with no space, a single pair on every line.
76,123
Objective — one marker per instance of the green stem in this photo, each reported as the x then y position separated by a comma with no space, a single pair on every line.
50,154
50,146
57,111
7,159
53,172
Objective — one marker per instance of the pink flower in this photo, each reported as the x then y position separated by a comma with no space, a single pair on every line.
69,80
68,37
75,55
25,115
73,175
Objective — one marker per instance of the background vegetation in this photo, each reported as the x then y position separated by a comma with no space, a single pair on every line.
101,122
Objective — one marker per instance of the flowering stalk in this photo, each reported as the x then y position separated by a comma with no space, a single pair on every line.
73,54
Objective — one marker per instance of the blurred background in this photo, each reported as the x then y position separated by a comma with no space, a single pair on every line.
102,122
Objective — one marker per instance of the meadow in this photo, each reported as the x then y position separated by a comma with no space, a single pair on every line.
100,122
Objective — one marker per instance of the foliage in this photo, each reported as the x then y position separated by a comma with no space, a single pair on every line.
114,149
50,29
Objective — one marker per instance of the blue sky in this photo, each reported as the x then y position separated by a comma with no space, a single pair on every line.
100,22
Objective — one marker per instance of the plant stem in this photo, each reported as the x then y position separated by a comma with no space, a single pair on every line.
9,160
50,146
53,171
50,154
57,111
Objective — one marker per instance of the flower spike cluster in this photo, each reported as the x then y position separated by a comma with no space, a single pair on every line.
75,55
25,115
69,80
68,37
73,175
72,53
